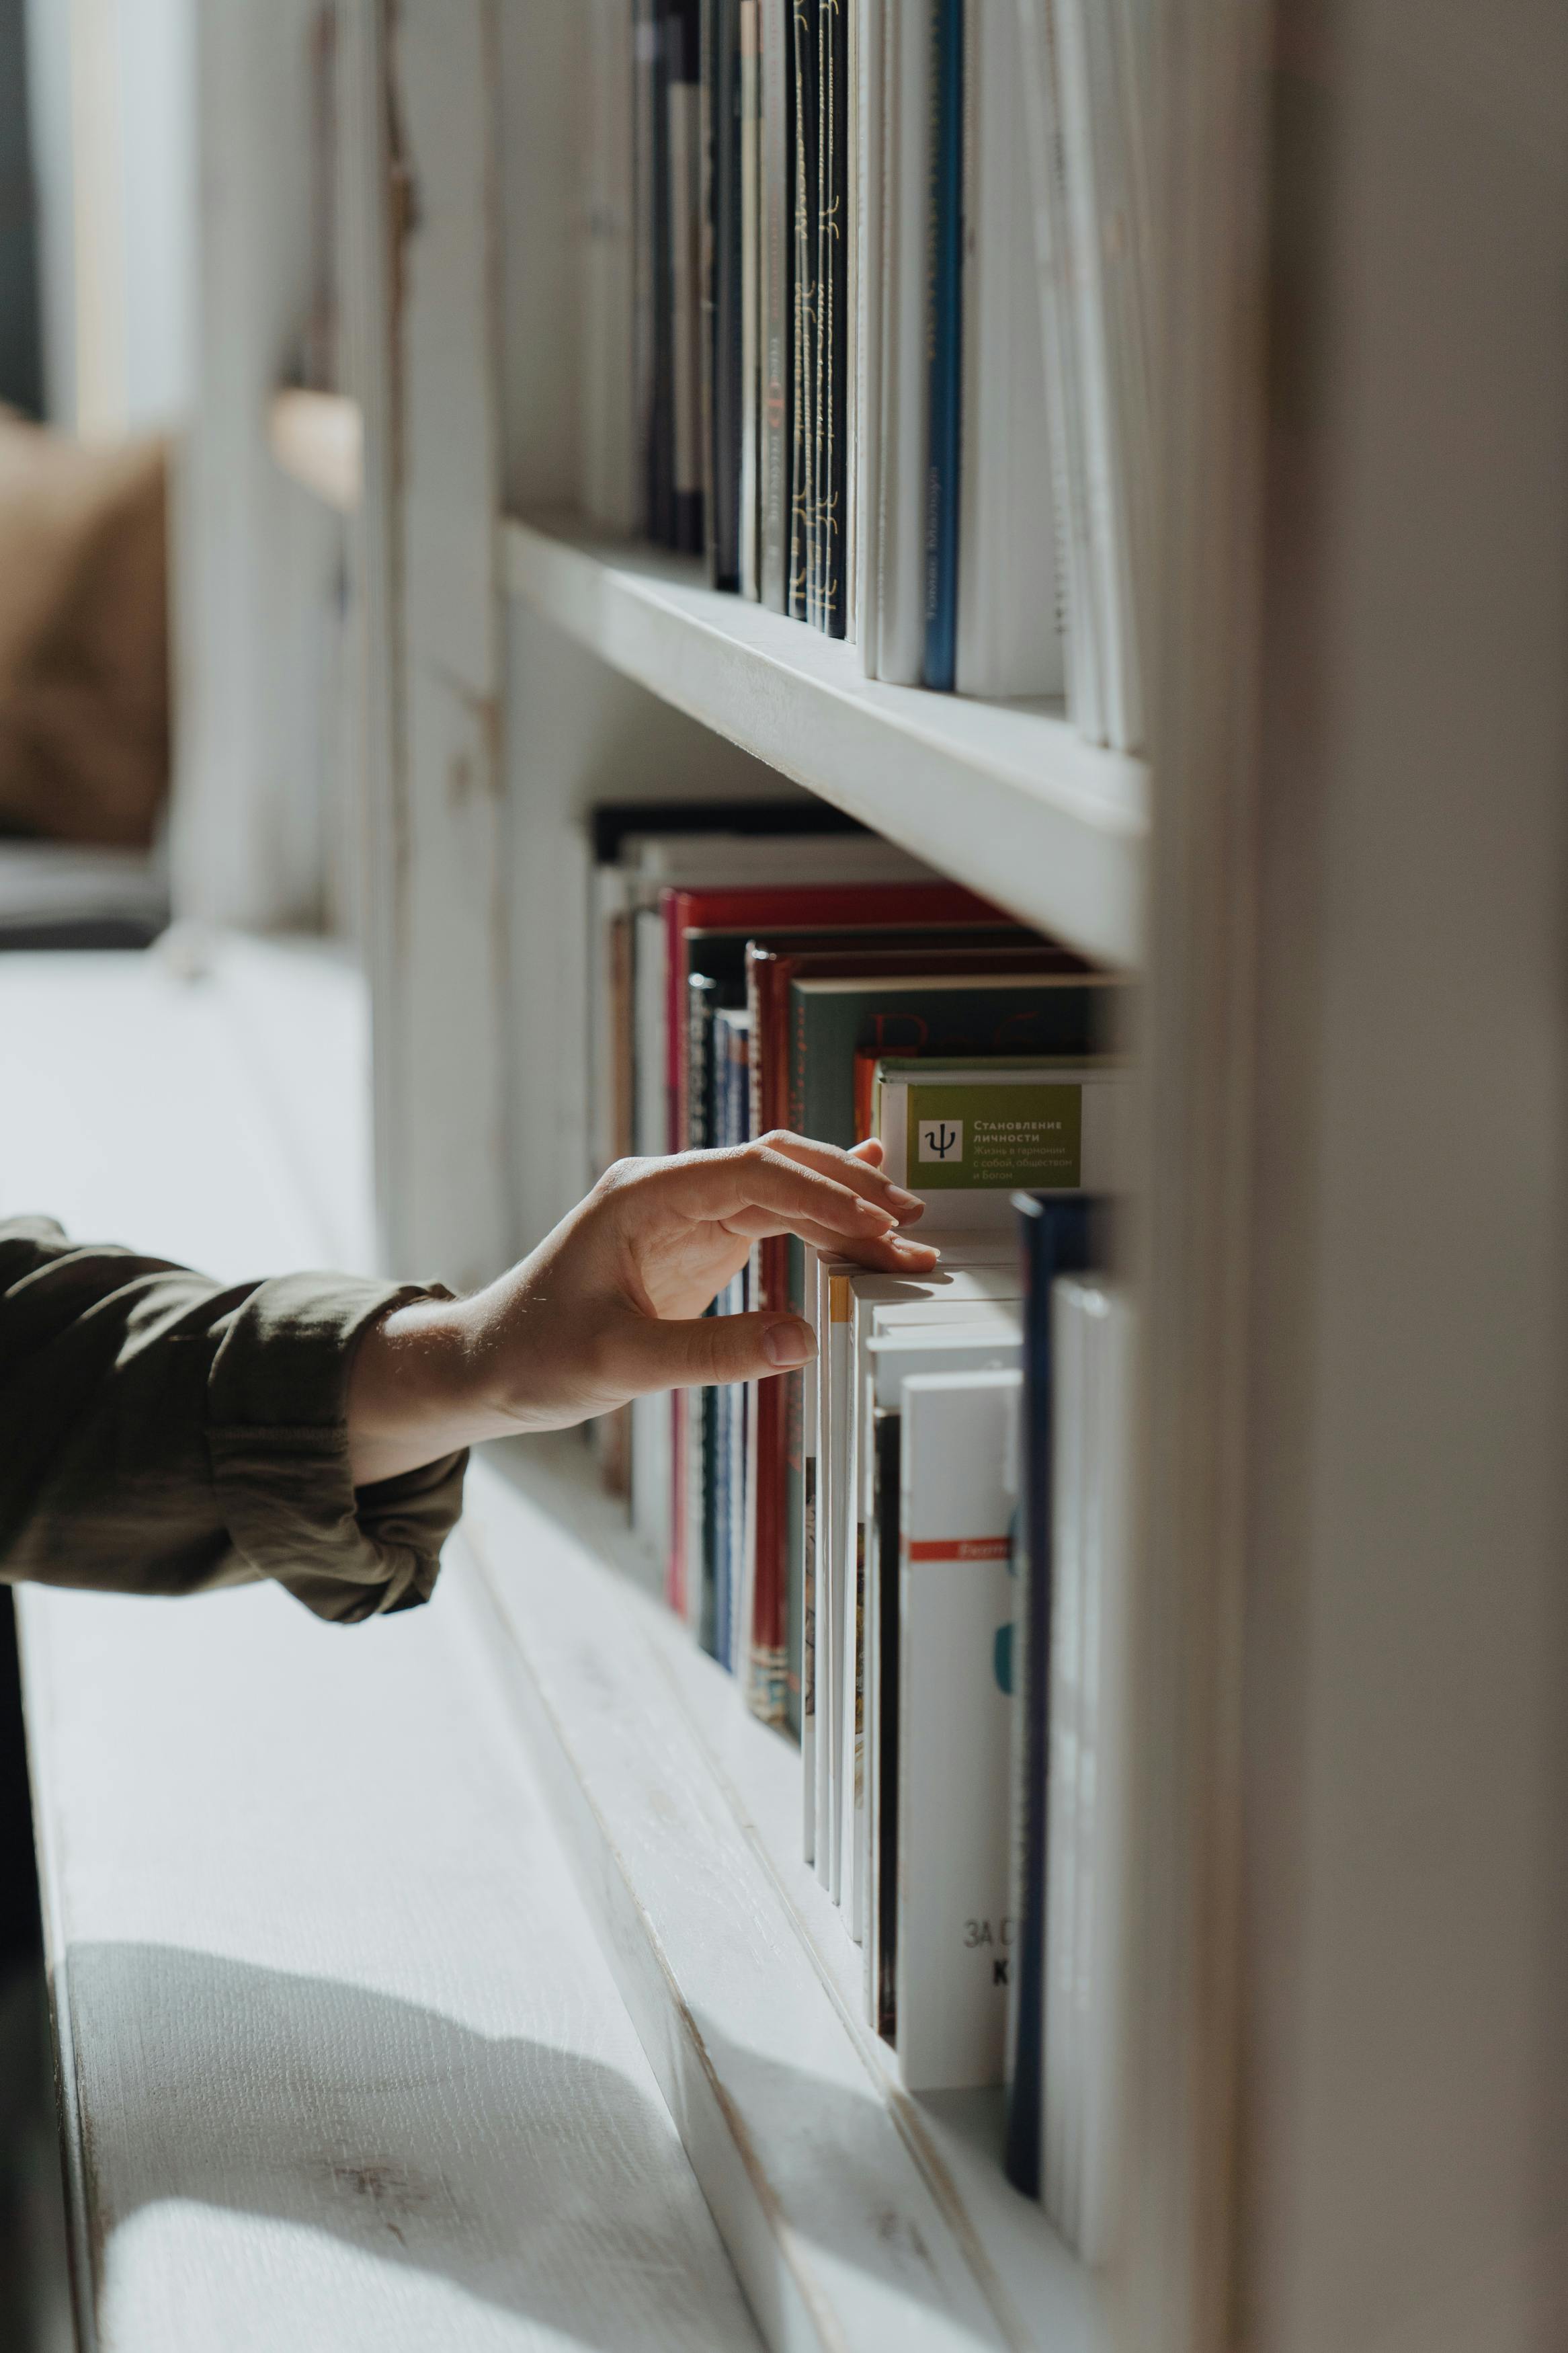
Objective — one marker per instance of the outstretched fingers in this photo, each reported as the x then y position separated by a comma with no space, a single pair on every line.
826,1198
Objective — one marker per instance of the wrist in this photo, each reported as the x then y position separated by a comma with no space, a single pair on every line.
413,1397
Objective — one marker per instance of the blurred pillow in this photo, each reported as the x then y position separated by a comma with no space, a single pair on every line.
84,636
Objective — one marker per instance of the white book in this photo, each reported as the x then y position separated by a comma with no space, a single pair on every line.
868,88
877,1299
1106,274
1063,1707
971,1339
1009,600
833,1310
894,647
967,1137
954,1730
1092,1340
1058,338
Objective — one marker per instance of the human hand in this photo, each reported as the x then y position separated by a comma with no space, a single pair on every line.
610,1305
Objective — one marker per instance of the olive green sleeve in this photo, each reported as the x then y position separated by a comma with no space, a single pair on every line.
160,1433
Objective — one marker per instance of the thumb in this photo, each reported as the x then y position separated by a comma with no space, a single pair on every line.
686,1352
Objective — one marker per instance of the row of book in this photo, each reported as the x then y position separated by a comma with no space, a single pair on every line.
868,320
846,1542
750,980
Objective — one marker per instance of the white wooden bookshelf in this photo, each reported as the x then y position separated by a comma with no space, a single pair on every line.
1337,1405
1007,797
854,2213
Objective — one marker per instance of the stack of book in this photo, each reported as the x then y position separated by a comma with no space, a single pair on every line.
867,304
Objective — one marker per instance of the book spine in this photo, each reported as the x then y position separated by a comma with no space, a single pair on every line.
752,268
1059,335
766,1612
882,1797
803,578
1064,1756
709,80
832,341
953,1938
776,299
727,346
1009,597
732,1127
837,1369
610,416
659,33
945,329
684,102
855,74
894,639
1054,1236
1101,1962
701,1466
813,1307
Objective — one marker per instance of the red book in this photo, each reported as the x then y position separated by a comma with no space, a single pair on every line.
707,930
793,907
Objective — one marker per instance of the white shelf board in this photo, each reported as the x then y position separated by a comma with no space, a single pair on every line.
856,2215
1005,796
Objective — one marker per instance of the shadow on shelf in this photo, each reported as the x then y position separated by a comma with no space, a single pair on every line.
395,2130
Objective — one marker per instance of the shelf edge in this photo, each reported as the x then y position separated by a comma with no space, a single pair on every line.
1009,800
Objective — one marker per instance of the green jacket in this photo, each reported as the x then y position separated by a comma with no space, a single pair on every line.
161,1433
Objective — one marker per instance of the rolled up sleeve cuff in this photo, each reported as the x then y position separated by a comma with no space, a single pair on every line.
279,1445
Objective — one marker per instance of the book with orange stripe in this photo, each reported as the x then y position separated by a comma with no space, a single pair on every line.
958,1491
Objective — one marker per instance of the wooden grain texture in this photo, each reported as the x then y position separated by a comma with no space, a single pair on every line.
348,2068
1180,2196
421,227
1005,796
1408,1664
255,837
845,2219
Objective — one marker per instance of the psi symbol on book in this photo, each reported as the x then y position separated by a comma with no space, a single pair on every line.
942,1139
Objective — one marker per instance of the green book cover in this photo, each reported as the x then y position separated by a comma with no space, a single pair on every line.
967,1136
835,1021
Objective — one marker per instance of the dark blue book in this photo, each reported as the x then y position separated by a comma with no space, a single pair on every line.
731,1127
1058,1235
945,343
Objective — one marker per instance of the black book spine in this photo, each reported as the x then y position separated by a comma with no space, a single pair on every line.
726,404
702,1430
805,448
884,1896
777,298
1056,1237
683,54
